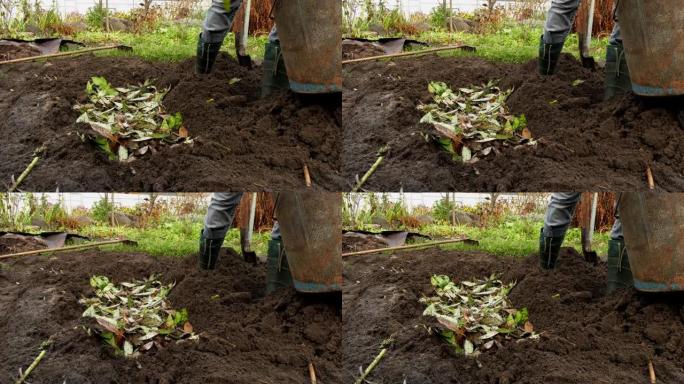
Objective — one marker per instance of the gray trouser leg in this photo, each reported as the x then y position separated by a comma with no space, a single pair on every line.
559,20
559,213
616,231
219,20
273,36
615,36
220,214
275,231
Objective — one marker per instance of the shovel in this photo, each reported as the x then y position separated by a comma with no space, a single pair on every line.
246,234
241,38
588,233
584,37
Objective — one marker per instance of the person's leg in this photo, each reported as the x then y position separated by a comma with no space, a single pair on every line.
274,72
217,222
216,25
556,223
617,81
278,271
619,271
558,24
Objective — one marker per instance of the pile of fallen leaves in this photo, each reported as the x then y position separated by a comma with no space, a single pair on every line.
469,121
474,316
136,317
127,123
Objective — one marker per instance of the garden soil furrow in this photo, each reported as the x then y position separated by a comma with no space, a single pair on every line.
241,141
584,143
245,337
586,336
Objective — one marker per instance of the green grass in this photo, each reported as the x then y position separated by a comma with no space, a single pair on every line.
172,238
168,43
515,237
513,43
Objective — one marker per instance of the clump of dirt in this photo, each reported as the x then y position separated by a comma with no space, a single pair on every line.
584,143
586,336
352,49
241,141
245,337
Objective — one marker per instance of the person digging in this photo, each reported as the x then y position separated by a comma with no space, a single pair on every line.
217,24
217,222
556,29
556,223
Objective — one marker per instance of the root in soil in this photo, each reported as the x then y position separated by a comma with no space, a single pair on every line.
585,336
241,142
245,337
584,143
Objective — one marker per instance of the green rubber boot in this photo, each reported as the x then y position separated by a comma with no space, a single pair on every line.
549,54
278,271
549,248
275,74
619,272
208,251
617,81
206,55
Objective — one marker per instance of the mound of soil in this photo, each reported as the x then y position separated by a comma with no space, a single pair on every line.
585,143
245,337
586,337
10,51
242,142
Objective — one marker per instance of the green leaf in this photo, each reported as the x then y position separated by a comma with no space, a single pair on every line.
577,82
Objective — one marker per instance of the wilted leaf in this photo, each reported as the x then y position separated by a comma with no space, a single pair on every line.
187,328
577,82
526,134
528,327
234,80
182,132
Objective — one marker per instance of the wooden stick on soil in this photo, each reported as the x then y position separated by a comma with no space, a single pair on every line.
69,53
312,373
370,368
649,177
24,174
307,176
31,367
368,173
412,53
68,248
428,244
651,371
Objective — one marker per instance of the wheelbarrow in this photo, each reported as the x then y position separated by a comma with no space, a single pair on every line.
652,34
653,225
310,225
309,32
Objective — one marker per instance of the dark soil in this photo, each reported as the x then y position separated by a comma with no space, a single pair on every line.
586,144
242,142
244,336
586,337
10,52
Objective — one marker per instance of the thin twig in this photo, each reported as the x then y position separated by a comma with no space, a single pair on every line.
412,53
370,368
368,173
428,244
312,373
649,177
307,176
31,367
69,53
651,371
24,174
68,248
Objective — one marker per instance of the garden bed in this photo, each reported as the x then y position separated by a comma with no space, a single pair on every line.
244,337
583,142
585,336
239,141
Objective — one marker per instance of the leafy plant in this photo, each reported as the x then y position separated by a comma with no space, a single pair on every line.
96,15
469,121
129,122
101,209
135,317
474,316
